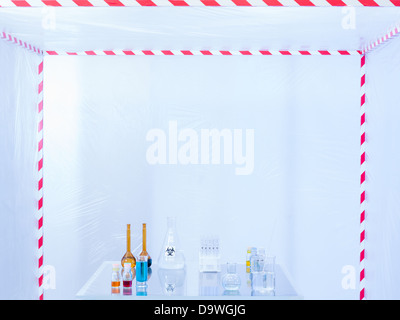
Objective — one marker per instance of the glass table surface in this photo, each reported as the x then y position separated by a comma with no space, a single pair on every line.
184,284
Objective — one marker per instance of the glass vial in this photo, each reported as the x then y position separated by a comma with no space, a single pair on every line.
115,279
128,256
231,280
127,278
253,260
171,255
248,254
144,248
141,269
141,276
260,258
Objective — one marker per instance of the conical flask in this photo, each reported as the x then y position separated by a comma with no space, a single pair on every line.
171,255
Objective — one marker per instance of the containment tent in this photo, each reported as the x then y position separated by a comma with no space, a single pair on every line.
267,124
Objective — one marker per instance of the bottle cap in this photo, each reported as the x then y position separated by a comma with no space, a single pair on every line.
115,266
261,250
253,250
127,265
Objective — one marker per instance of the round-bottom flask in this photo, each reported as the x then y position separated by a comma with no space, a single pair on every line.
231,280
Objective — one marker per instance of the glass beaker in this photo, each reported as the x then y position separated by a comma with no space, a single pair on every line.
263,282
269,269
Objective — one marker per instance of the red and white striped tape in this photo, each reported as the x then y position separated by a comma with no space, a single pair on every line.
392,33
26,45
205,53
39,212
200,3
362,181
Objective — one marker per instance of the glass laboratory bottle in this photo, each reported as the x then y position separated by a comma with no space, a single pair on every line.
127,278
115,279
253,260
128,256
144,249
141,269
171,255
261,258
248,259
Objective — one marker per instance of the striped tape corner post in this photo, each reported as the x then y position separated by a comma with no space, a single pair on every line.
199,3
39,212
395,31
362,179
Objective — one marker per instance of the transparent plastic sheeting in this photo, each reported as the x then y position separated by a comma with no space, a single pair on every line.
383,174
18,180
199,28
123,144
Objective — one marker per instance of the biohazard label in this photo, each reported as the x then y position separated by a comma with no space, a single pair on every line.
170,251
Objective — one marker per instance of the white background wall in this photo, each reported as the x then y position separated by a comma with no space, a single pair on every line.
301,202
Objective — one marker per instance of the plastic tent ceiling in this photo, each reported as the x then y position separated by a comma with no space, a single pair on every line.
197,28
